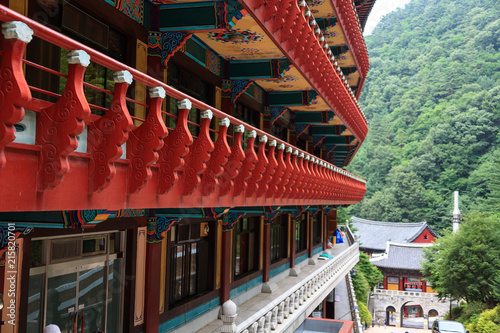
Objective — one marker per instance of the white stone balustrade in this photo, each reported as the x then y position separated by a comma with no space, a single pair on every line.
287,307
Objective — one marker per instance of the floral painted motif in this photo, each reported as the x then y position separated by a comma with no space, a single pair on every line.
249,50
242,36
154,44
213,62
259,95
132,8
171,42
235,12
283,79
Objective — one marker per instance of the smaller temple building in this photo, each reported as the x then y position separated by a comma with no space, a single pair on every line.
397,249
400,265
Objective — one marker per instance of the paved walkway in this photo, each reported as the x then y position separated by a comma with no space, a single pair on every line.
393,329
342,308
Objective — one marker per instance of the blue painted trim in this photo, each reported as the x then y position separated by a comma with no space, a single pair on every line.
184,5
37,225
250,61
294,92
188,316
199,42
198,61
300,259
245,287
319,249
198,27
253,77
279,270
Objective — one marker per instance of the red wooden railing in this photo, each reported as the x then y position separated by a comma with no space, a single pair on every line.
163,167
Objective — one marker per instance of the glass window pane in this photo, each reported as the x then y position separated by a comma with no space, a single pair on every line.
237,268
66,249
35,298
37,257
179,265
95,245
251,252
115,242
192,270
61,301
91,299
115,283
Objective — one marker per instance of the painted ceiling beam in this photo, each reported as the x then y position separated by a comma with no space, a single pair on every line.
325,23
291,98
314,117
338,50
198,16
333,130
338,140
258,69
349,70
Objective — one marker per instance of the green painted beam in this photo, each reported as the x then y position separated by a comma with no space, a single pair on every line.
333,130
308,117
258,69
188,17
338,140
251,70
291,98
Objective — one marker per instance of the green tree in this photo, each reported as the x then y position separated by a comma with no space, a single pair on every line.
432,99
466,264
487,322
372,273
492,201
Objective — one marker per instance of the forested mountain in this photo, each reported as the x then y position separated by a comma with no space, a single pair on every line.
432,98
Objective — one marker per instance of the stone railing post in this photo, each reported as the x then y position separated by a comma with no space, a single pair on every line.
228,317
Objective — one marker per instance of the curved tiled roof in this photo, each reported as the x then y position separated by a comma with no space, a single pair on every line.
401,256
374,235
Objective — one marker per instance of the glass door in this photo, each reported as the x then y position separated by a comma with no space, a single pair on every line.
83,294
77,299
91,300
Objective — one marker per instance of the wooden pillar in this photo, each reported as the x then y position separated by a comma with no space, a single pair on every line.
323,314
309,236
291,223
225,266
324,227
385,282
266,252
424,287
153,274
401,283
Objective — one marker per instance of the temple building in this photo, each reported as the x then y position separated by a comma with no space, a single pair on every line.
374,235
176,166
397,249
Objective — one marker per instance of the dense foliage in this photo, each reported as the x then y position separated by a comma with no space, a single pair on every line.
477,318
367,276
466,264
432,98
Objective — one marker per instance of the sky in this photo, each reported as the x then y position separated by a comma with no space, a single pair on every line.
381,8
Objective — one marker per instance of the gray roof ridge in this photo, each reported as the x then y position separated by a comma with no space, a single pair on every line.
389,243
394,224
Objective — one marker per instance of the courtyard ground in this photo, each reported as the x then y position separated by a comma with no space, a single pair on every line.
393,329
